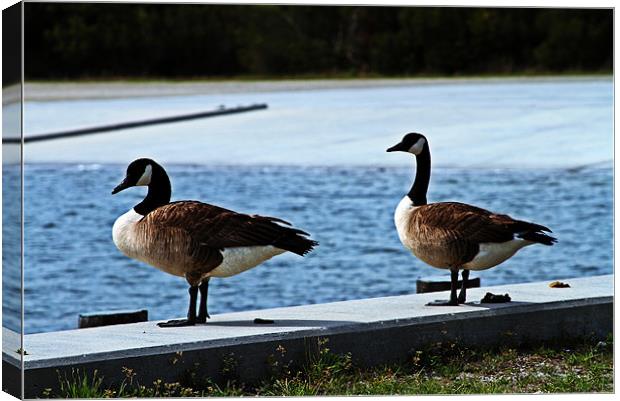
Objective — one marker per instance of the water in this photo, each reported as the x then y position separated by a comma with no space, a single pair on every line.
537,151
72,265
11,249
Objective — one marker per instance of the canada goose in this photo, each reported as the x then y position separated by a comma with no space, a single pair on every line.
452,235
195,240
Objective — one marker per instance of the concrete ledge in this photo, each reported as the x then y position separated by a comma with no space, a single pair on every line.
11,372
46,91
375,331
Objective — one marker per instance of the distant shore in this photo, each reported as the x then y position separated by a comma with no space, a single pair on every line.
48,91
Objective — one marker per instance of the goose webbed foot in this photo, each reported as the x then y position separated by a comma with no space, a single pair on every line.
178,323
454,301
203,318
191,313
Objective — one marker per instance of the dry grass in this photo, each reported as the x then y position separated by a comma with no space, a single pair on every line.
567,367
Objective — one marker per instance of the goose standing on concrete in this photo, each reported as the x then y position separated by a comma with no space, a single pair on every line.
195,240
452,235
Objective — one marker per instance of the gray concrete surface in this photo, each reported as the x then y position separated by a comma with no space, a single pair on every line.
11,372
47,91
375,331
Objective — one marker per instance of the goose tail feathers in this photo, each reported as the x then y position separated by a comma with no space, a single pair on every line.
535,233
297,244
293,239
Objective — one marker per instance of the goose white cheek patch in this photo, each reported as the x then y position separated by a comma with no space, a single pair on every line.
146,176
417,147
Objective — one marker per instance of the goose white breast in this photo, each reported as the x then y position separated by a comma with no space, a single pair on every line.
402,218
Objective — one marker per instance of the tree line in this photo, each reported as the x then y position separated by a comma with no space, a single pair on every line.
73,41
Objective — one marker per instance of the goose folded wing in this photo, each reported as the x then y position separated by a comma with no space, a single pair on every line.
450,222
215,227
185,213
236,230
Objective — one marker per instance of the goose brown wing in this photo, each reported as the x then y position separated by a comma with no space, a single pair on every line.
215,227
235,229
448,222
186,214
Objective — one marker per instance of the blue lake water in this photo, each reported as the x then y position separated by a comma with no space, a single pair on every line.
72,266
539,151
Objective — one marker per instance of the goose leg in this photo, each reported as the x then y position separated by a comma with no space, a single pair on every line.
463,292
454,279
202,308
191,313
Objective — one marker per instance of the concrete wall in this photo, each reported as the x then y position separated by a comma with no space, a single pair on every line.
374,331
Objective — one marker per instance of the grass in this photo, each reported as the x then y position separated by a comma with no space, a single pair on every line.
581,365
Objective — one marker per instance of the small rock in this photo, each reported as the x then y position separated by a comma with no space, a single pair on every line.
490,298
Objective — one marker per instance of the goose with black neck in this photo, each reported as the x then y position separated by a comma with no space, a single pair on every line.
196,240
452,235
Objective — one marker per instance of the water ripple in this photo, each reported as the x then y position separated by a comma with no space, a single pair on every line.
72,265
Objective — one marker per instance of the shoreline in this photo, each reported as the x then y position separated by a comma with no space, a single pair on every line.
599,165
76,90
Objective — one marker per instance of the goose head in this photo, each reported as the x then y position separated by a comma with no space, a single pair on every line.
140,172
412,143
